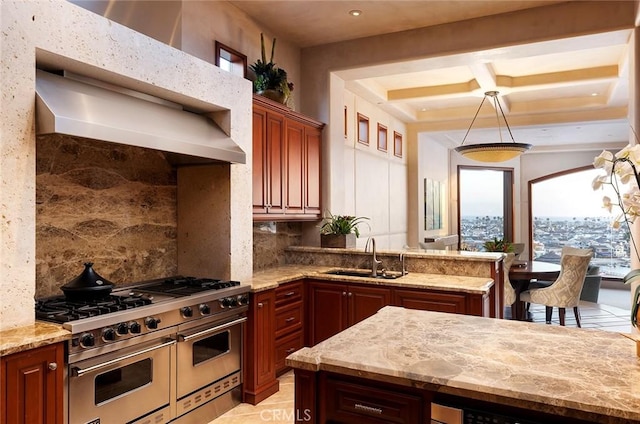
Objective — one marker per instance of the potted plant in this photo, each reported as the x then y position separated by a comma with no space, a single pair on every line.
270,81
498,245
340,231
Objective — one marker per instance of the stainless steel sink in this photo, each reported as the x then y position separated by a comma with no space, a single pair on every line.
365,273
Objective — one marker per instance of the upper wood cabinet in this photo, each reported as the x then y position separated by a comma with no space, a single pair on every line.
286,163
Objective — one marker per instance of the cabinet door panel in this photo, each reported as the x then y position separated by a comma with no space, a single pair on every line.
327,311
364,404
366,301
295,173
275,154
431,301
34,392
288,319
259,161
285,347
313,139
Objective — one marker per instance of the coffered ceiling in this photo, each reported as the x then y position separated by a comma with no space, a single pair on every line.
559,94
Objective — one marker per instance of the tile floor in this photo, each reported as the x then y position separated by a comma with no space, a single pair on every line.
610,314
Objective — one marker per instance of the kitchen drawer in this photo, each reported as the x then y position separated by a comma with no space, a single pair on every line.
289,318
349,402
289,292
285,346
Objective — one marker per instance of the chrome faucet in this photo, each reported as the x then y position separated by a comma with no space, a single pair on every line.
404,269
375,263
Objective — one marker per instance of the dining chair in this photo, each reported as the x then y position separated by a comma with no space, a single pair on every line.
565,290
509,292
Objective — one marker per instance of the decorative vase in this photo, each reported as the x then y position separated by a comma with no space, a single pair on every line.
340,241
275,95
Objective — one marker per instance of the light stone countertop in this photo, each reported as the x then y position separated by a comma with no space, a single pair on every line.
31,336
271,278
564,371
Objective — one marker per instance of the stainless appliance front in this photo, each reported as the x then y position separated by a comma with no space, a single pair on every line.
121,386
208,352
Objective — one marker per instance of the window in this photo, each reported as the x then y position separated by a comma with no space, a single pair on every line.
345,122
363,129
565,210
485,205
230,60
397,144
382,138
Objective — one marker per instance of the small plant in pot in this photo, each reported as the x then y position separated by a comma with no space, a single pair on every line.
270,81
340,231
498,245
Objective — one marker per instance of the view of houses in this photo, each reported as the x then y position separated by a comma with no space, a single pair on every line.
610,246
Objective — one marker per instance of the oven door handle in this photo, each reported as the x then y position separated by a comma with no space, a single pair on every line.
184,338
79,372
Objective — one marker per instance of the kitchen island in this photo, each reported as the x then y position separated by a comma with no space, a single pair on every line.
400,360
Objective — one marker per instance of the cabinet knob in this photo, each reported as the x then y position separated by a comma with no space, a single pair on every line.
260,305
344,293
53,366
350,294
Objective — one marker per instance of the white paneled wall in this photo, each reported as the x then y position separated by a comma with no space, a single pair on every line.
375,182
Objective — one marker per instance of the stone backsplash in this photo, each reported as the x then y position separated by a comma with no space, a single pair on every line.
270,239
105,203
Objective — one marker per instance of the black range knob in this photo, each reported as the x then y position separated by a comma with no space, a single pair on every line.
243,299
225,302
87,340
122,329
151,322
134,327
108,334
205,309
186,312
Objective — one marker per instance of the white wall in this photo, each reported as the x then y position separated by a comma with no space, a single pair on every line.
433,163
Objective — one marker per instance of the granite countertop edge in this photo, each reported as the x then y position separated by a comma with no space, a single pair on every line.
273,277
31,336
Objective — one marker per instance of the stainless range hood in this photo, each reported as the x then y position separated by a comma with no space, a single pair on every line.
68,106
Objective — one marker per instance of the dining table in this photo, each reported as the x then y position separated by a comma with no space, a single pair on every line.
521,274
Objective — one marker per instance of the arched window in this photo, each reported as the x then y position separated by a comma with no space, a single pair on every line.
565,210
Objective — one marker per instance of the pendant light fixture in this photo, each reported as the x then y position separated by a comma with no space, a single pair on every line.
495,151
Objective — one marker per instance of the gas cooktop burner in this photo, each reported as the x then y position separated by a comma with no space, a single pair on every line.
185,286
59,309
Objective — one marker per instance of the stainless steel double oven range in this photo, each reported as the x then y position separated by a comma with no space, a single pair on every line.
168,350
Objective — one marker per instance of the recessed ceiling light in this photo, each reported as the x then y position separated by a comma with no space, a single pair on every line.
594,94
355,12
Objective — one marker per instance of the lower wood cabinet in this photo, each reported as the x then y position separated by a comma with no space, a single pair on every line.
289,321
332,307
442,301
353,402
32,386
285,346
260,373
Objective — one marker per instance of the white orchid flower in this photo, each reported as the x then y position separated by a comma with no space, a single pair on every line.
603,159
634,154
606,203
598,181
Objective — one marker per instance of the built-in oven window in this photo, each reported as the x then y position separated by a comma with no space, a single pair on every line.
119,381
211,347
